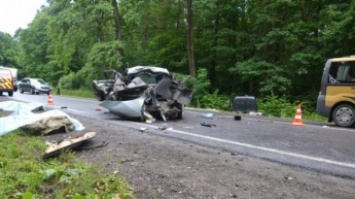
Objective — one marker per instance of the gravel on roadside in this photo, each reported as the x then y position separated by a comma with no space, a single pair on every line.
161,167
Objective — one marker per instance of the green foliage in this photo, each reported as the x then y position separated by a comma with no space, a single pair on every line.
215,101
199,85
247,47
83,93
103,56
70,82
24,174
8,51
277,106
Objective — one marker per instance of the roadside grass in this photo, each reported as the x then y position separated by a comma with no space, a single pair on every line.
24,174
84,93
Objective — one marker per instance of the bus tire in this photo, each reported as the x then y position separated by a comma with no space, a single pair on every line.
344,115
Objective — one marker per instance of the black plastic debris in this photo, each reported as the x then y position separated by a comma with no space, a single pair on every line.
206,124
237,117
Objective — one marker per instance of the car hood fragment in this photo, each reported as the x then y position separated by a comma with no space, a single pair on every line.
125,109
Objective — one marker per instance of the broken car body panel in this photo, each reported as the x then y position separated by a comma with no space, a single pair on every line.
126,109
162,94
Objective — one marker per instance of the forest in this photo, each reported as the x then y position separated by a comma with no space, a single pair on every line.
264,48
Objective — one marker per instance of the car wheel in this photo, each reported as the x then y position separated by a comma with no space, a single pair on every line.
32,91
181,111
21,90
344,115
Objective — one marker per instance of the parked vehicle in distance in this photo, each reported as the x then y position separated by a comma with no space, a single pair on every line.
6,82
14,75
336,99
34,86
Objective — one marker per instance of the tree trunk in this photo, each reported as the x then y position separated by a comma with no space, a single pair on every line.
212,70
190,41
116,17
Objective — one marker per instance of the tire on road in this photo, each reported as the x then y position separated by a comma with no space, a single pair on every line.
344,115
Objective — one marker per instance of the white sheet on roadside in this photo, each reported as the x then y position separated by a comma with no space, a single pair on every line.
22,115
16,105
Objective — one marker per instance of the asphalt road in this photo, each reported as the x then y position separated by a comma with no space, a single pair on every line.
316,146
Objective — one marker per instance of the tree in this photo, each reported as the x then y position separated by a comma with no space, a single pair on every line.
8,51
190,39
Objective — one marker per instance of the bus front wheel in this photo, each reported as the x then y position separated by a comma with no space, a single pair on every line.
344,115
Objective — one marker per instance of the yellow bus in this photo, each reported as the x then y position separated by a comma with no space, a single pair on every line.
336,99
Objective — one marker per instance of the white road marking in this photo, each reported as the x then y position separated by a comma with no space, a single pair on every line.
308,125
296,155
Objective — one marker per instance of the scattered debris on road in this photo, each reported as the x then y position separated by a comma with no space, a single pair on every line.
142,129
208,125
71,142
237,117
207,115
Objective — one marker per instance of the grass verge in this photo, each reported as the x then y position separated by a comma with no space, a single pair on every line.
24,174
78,93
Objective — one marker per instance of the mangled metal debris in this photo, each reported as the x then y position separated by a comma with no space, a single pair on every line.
50,122
23,117
144,89
130,108
54,148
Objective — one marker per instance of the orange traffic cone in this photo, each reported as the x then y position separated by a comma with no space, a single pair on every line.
298,117
50,99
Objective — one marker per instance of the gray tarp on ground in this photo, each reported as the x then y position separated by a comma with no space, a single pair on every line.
23,117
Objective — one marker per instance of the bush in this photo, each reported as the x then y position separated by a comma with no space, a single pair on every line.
199,85
215,101
277,106
69,81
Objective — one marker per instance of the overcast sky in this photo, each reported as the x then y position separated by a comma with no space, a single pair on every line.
15,14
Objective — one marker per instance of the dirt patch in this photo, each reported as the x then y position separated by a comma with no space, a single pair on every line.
160,167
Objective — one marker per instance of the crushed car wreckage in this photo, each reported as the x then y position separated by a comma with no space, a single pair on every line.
144,90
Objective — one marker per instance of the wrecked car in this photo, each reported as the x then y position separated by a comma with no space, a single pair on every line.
142,91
